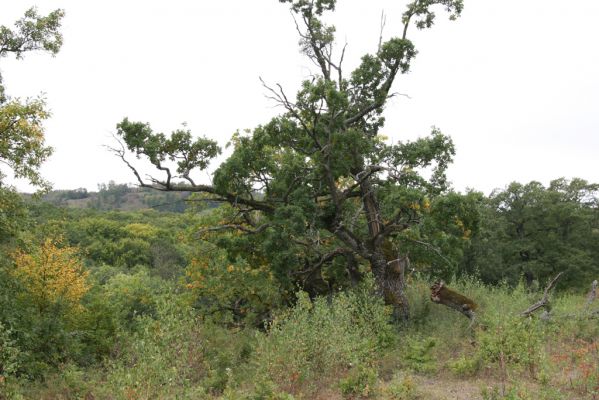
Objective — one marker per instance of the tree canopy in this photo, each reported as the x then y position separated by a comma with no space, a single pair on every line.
319,183
22,146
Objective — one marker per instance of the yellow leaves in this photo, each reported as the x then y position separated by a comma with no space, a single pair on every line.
415,206
466,233
52,273
144,231
22,146
426,204
423,204
230,268
344,183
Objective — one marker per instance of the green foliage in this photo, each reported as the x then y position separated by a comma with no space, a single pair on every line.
13,214
418,355
512,340
179,147
9,353
264,389
234,286
132,295
317,187
402,387
163,353
174,355
464,366
361,381
126,240
318,339
536,231
22,146
33,32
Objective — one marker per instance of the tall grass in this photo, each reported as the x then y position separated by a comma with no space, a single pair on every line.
347,346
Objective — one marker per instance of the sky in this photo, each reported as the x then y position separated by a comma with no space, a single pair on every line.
514,83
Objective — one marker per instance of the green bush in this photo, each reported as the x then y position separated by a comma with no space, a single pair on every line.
402,387
465,366
361,381
418,355
318,340
175,355
9,353
513,340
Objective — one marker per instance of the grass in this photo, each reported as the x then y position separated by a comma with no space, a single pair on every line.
347,348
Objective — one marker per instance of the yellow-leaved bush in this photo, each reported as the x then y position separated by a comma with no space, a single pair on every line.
51,273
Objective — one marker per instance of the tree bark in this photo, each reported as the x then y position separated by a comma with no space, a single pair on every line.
387,266
390,280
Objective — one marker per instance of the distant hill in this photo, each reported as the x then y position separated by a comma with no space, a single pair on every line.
113,196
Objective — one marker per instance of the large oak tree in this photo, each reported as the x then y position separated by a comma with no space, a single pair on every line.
317,187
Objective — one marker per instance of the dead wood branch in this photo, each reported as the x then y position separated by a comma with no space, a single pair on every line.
544,302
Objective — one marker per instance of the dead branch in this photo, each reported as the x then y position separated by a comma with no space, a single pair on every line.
383,23
544,302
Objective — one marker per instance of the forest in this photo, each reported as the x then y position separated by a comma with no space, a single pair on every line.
322,261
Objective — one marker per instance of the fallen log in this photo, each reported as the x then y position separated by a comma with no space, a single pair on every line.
441,294
544,302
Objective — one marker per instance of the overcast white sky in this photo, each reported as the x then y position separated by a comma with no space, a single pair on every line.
514,82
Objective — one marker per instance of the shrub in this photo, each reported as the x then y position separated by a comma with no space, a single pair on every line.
465,366
319,340
514,341
9,353
175,355
361,381
418,355
402,388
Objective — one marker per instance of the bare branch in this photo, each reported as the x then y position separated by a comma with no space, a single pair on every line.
168,186
383,23
544,301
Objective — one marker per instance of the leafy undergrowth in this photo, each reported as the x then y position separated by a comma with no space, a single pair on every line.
344,347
